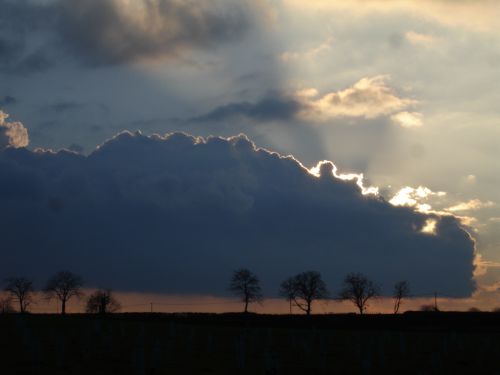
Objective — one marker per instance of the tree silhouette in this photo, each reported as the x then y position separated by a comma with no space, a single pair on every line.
287,290
102,302
359,290
245,285
401,291
21,290
6,305
303,289
64,285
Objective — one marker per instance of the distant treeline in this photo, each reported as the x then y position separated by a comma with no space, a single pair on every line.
62,286
300,291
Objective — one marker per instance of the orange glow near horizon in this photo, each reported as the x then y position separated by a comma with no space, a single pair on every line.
162,303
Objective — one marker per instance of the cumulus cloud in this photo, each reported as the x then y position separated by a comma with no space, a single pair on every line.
12,134
415,197
178,213
427,201
122,31
369,98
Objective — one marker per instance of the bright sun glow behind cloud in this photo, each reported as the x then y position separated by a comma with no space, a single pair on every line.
358,177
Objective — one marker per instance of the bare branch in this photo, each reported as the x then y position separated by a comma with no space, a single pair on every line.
245,285
64,285
359,290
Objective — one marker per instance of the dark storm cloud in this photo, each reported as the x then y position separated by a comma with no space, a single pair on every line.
267,109
110,32
133,31
177,214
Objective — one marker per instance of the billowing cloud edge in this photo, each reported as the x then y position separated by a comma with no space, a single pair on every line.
240,183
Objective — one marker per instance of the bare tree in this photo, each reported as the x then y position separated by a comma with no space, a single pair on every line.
6,305
303,289
64,285
21,290
359,290
102,302
245,285
401,291
287,290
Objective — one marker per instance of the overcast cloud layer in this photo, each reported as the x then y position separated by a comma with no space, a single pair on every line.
178,214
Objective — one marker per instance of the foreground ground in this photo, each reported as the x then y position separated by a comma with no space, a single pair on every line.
412,343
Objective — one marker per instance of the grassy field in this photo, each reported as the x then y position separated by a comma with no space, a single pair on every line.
412,343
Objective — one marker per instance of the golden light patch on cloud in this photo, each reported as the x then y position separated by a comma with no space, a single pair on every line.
471,205
469,221
483,265
477,15
413,197
408,119
429,227
13,134
494,287
369,98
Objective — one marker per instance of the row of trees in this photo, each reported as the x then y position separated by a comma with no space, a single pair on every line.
63,286
304,288
300,290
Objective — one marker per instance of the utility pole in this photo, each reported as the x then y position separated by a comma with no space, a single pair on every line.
435,302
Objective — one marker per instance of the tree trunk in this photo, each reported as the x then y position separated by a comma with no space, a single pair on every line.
21,305
63,307
246,305
308,311
396,307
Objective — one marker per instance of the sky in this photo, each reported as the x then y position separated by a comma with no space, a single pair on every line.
156,145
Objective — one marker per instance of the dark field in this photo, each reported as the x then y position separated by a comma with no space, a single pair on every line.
412,343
